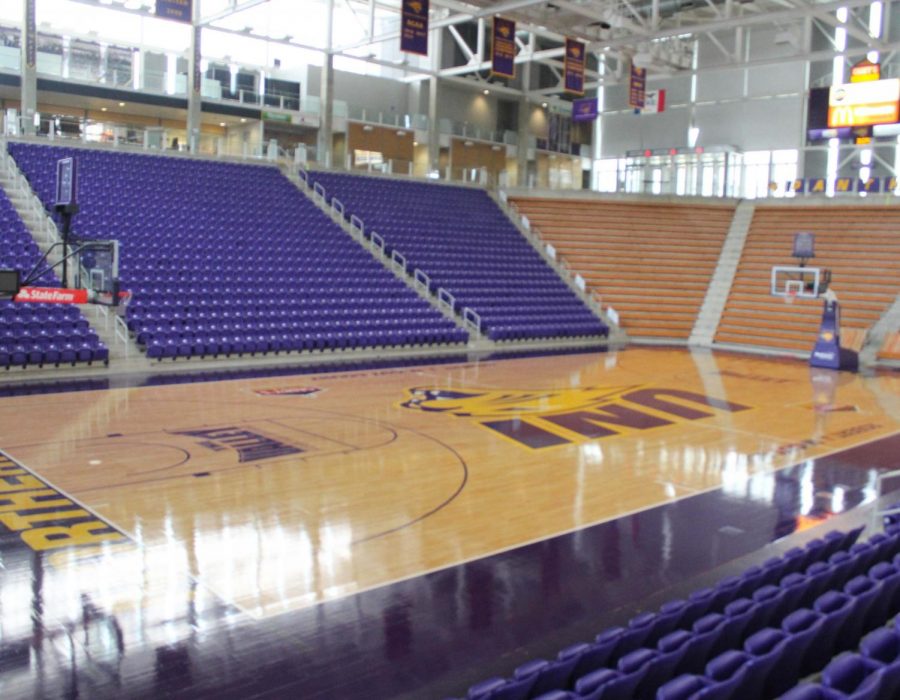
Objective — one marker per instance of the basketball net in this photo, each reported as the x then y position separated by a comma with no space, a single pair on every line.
790,296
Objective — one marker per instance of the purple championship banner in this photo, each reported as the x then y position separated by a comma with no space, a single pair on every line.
414,27
179,10
637,87
584,110
503,48
574,66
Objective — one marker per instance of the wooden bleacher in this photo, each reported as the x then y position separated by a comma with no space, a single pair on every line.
890,349
650,261
859,244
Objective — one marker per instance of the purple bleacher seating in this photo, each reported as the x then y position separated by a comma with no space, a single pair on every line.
462,240
38,334
230,259
762,645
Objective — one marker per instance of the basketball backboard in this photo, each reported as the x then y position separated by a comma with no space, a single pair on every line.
792,281
97,270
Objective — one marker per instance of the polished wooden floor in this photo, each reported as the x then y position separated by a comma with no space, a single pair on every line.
274,494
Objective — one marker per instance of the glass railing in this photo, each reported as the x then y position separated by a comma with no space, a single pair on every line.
136,137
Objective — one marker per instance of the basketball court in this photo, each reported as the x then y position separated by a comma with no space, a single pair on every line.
380,475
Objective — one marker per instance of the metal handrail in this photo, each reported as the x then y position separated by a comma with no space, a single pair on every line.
398,259
303,175
378,241
878,514
446,298
319,191
472,319
337,207
121,332
422,278
357,223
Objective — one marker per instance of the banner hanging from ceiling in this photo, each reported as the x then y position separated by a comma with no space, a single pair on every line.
503,48
179,10
574,66
584,110
414,27
654,102
637,87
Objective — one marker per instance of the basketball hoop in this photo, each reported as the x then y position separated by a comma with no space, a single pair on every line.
790,296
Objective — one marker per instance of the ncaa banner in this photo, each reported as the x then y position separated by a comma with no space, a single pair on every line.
503,48
179,10
798,185
414,27
637,87
584,110
574,67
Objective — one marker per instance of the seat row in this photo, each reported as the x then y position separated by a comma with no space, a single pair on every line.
55,351
871,674
173,345
709,621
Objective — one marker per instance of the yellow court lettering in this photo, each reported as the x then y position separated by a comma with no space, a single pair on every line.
17,522
43,538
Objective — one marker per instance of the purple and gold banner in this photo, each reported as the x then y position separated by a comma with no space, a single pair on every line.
637,87
843,184
503,48
873,184
414,27
584,110
179,10
816,185
574,67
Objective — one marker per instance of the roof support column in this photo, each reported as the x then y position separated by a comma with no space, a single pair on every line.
523,130
195,97
434,131
325,140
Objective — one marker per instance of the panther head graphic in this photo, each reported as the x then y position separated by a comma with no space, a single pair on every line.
503,403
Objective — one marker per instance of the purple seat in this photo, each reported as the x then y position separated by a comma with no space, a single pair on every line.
855,676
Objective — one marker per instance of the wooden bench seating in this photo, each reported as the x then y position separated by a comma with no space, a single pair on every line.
859,245
890,349
650,261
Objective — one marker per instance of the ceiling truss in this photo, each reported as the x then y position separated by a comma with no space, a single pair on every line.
614,31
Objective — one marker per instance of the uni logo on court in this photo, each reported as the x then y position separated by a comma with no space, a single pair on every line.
538,419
